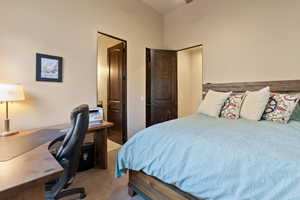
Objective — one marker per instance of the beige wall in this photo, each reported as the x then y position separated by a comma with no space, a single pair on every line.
69,28
104,43
189,81
243,40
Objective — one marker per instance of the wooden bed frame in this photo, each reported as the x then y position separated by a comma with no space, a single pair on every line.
154,189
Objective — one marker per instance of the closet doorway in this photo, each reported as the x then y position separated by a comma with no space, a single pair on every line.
190,80
173,83
112,84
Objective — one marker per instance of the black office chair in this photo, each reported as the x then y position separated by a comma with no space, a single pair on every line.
68,155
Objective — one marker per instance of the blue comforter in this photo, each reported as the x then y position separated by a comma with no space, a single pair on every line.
219,158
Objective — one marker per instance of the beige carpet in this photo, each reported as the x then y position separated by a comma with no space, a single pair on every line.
112,146
101,184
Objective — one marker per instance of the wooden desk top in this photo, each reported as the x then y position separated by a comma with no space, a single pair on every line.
34,167
91,129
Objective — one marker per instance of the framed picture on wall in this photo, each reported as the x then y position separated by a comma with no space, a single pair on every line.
48,68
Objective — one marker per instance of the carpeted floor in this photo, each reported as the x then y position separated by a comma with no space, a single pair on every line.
111,146
101,184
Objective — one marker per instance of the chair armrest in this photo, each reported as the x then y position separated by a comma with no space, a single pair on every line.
60,139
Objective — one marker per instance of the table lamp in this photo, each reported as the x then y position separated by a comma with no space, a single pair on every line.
10,93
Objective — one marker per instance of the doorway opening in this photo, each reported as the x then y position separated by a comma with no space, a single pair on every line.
173,83
190,80
112,84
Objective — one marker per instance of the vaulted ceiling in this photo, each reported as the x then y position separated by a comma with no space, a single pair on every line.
165,6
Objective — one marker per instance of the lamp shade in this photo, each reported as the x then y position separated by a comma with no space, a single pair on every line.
11,92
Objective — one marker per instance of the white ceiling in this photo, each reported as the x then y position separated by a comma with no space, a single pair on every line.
164,6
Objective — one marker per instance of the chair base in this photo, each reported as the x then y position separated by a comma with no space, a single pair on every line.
69,192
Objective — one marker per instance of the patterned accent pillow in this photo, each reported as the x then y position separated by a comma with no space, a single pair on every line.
232,106
280,107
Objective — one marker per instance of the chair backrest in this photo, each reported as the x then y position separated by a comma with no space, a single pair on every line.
71,147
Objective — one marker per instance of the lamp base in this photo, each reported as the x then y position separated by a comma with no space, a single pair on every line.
9,133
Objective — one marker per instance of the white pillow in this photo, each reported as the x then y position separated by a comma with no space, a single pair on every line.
213,103
255,104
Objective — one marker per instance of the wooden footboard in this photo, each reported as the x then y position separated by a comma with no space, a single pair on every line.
154,189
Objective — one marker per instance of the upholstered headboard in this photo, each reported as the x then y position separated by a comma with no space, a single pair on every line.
289,86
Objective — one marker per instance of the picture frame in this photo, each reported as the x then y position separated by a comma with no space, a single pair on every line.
49,68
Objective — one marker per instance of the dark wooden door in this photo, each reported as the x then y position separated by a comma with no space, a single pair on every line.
116,99
161,86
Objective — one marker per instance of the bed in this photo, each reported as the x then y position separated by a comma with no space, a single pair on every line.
199,157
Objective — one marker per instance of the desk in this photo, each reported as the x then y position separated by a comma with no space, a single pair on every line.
23,177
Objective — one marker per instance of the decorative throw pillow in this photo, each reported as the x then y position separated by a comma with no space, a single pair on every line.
232,106
296,114
255,104
280,107
213,102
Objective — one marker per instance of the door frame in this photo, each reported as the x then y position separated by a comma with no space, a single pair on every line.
124,86
148,90
195,46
